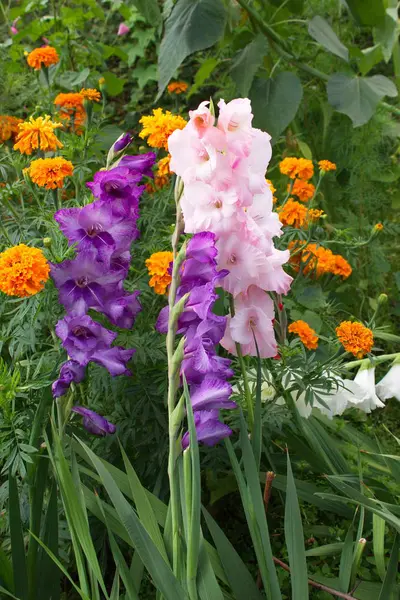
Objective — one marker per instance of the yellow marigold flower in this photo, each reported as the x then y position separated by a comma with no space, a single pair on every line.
8,127
292,213
314,214
23,271
378,227
45,56
163,166
341,267
158,266
306,334
50,172
177,87
326,165
159,126
297,167
271,186
37,134
355,338
91,94
303,190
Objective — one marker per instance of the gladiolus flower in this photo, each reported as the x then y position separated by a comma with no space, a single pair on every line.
158,265
303,190
50,172
37,134
389,386
123,29
44,56
23,271
9,127
297,167
306,334
70,372
94,423
13,27
158,127
177,87
90,94
355,338
326,165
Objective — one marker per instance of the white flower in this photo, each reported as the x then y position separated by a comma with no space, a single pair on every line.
389,386
363,388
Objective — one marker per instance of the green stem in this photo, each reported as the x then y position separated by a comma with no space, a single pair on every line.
377,360
247,391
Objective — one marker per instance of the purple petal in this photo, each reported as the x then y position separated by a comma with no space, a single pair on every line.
122,142
122,311
114,360
209,429
93,422
201,247
212,393
140,164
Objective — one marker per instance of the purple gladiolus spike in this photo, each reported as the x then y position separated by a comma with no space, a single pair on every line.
122,310
141,163
82,337
122,142
84,282
211,393
202,248
94,423
114,360
209,429
71,371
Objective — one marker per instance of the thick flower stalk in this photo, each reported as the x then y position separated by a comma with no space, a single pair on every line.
103,232
223,165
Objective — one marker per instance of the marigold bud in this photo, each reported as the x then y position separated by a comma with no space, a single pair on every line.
47,242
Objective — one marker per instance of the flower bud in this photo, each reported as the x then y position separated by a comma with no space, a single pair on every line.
47,242
382,299
122,142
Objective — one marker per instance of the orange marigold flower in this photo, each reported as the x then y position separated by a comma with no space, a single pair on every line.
23,271
158,266
69,100
378,227
163,166
71,109
355,338
292,213
317,259
306,334
8,127
271,186
159,126
50,172
91,94
326,165
303,190
37,134
177,87
341,267
45,56
297,167
314,214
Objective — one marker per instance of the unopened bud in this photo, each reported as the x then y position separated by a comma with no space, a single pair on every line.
102,84
47,242
383,298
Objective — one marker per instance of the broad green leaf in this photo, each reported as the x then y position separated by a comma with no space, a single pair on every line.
294,538
160,572
322,32
239,577
358,97
386,33
387,591
305,149
17,541
246,63
311,296
149,9
202,74
114,84
366,12
275,102
369,58
192,25
378,540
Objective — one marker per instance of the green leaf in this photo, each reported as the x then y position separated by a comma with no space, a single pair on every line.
8,594
160,572
346,560
305,149
366,12
114,84
326,550
369,57
311,296
386,33
294,538
48,572
387,591
192,25
357,97
378,540
322,32
239,577
149,9
6,572
144,73
275,102
246,64
17,541
202,74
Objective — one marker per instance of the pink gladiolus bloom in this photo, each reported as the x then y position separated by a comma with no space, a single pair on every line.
123,29
13,27
201,118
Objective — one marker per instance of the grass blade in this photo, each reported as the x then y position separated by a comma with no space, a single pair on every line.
48,572
17,541
6,572
346,560
294,537
387,591
378,542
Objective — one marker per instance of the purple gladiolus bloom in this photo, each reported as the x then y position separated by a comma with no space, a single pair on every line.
93,422
95,227
122,142
122,309
202,248
84,282
82,337
141,163
114,359
211,393
117,184
71,371
209,429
